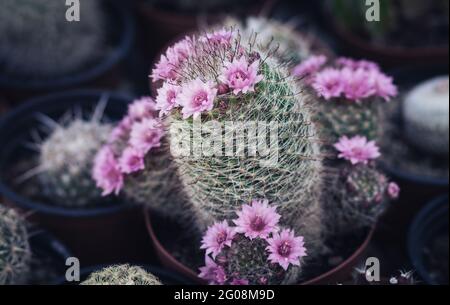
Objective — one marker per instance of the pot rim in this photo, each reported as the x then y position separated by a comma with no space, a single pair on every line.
415,228
26,203
162,252
119,52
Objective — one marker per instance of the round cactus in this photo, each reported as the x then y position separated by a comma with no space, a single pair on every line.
238,86
37,40
122,275
15,254
357,197
66,159
425,116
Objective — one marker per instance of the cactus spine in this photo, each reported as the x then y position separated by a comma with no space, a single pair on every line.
15,254
121,275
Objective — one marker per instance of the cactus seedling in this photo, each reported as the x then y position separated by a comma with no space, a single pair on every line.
122,275
425,116
15,254
66,158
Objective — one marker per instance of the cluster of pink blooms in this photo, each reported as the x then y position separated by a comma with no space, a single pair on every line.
238,75
131,140
354,80
257,220
357,149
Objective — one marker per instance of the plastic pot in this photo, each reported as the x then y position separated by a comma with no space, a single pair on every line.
167,277
430,221
105,74
338,274
110,233
163,25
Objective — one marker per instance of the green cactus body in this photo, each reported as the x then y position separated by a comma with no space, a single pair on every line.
357,198
248,259
425,116
15,254
66,159
220,184
122,275
37,41
349,118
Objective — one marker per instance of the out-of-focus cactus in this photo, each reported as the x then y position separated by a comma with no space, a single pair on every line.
66,159
121,275
36,40
15,253
426,116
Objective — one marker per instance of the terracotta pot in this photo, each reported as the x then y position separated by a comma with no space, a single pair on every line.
162,26
112,233
104,74
386,55
340,273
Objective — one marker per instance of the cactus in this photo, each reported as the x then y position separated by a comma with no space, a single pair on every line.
121,275
293,46
66,159
255,251
357,197
218,184
37,41
15,254
425,116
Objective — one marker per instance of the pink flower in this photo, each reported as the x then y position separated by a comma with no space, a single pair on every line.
106,172
383,85
393,190
240,76
180,51
163,70
285,249
142,109
132,160
222,37
167,98
237,281
328,83
213,273
357,149
258,220
121,131
217,237
197,97
309,66
358,84
146,135
357,64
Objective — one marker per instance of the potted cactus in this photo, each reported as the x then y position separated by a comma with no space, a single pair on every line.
42,52
222,77
408,32
48,150
27,255
414,145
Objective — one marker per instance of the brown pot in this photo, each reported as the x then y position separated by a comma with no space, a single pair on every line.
338,274
162,26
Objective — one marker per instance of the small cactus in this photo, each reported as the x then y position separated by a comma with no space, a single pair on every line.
256,251
36,40
15,253
426,116
264,92
66,159
121,275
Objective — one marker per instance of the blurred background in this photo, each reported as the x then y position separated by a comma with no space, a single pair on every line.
115,44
